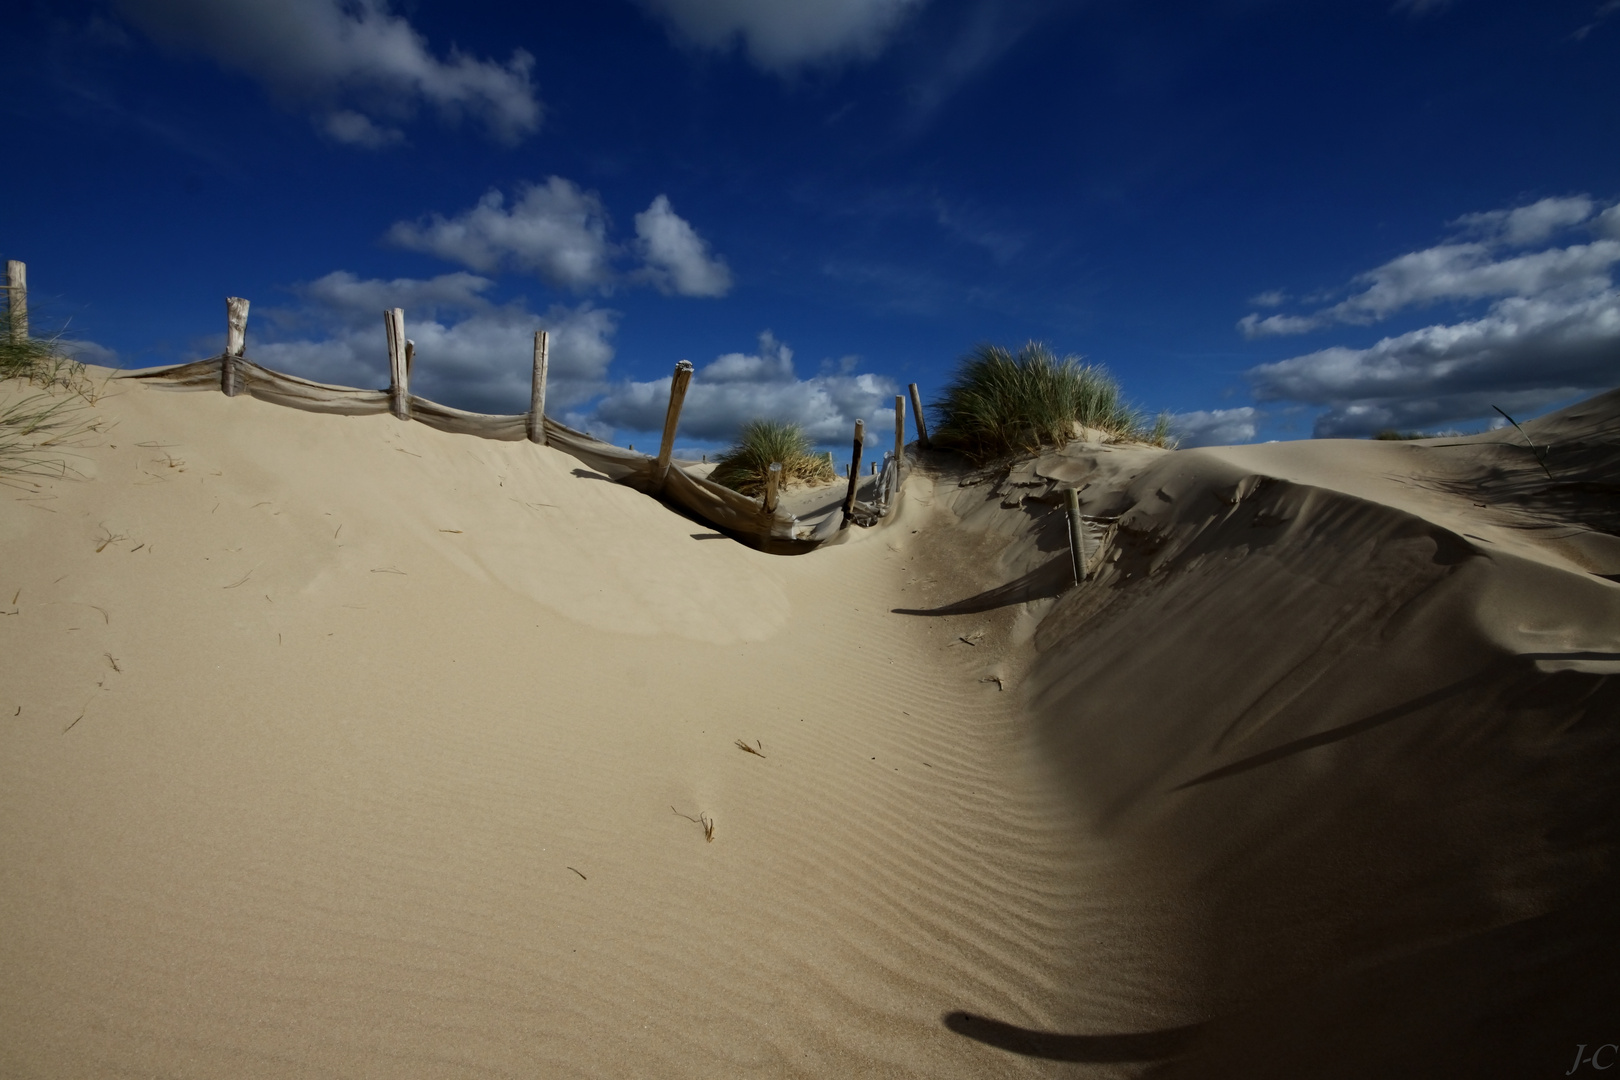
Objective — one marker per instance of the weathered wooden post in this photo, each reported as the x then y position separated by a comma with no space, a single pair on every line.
236,316
410,356
537,388
672,419
17,304
399,379
917,413
899,438
773,479
1077,536
854,474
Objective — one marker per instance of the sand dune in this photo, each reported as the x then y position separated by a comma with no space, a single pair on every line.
336,746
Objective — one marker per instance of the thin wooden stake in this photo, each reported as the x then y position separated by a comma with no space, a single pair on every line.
236,316
773,477
672,420
410,356
17,305
1077,536
399,379
899,438
537,388
917,414
854,474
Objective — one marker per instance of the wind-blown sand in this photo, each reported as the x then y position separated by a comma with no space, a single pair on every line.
337,746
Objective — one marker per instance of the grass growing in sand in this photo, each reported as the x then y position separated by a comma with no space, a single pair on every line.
35,425
1000,403
742,468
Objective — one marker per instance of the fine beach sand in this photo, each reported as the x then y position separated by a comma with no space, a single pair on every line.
341,746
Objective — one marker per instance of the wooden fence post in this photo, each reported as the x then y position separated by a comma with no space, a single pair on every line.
399,379
773,477
410,356
17,305
854,474
917,413
899,438
672,420
1077,536
537,388
236,316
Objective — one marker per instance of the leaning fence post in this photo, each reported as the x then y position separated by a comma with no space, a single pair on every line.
399,379
899,437
672,420
773,477
17,305
236,316
1077,536
916,411
537,388
854,474
410,357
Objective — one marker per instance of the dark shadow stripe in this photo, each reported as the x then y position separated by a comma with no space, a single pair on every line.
1141,1046
1046,580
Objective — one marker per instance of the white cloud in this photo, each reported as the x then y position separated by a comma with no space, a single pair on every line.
560,233
1525,354
1269,298
738,387
470,352
1529,224
676,258
1216,427
553,229
782,35
1552,329
357,129
353,58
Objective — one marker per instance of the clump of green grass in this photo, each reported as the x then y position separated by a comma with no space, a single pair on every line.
742,467
1000,404
35,427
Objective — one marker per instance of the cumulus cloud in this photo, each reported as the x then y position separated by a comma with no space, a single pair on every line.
738,387
1216,427
1471,270
781,36
1551,331
353,60
470,351
676,259
560,233
553,229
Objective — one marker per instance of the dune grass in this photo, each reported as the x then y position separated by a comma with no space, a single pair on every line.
1000,404
742,467
36,426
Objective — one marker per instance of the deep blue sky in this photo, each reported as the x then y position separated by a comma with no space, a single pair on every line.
880,184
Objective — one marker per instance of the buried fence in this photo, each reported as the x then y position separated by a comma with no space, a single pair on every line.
761,523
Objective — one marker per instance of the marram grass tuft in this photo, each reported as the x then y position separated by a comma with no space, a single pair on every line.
742,468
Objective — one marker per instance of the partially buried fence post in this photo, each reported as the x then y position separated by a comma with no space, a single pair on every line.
672,420
1077,536
773,477
399,379
537,388
236,315
899,437
854,474
917,413
17,304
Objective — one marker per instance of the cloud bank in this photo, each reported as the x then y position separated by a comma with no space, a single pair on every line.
470,352
780,36
560,233
738,387
1216,427
353,60
1550,332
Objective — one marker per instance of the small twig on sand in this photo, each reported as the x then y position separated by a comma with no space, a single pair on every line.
702,819
113,660
582,877
1541,457
757,753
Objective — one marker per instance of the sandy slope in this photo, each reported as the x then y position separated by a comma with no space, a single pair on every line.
359,749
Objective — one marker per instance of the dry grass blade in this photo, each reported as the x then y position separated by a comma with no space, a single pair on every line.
757,753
